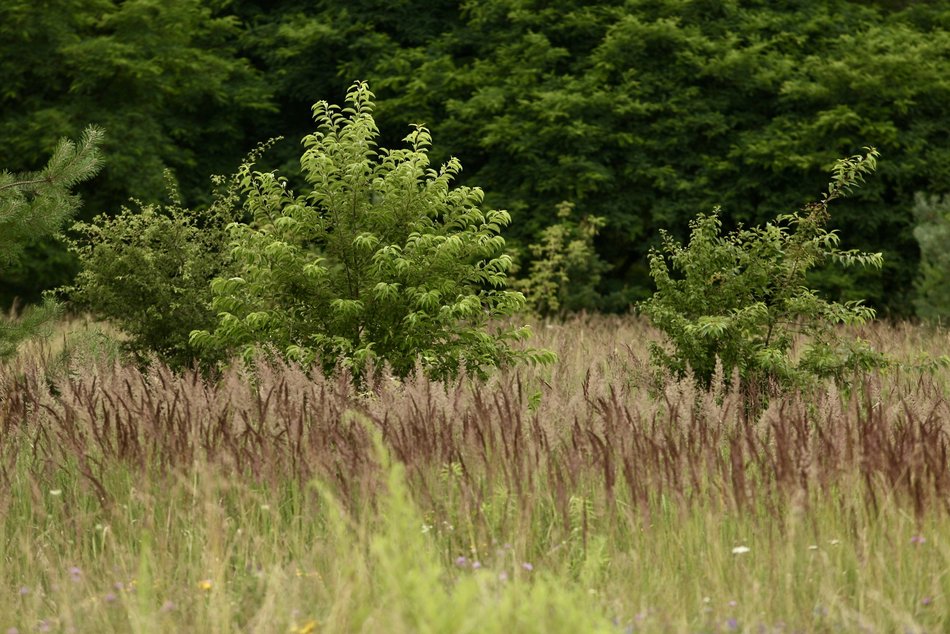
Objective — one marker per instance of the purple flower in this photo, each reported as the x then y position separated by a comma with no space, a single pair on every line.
527,567
110,597
732,624
168,606
461,561
476,565
918,540
75,573
24,591
926,601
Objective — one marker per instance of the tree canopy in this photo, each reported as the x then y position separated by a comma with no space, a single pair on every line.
641,112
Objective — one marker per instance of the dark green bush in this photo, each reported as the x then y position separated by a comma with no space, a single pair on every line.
149,269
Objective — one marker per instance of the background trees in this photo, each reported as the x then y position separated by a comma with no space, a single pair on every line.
644,113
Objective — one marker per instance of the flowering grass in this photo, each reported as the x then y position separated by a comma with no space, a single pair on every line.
571,499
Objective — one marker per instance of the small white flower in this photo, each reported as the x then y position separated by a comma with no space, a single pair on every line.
740,550
834,542
813,547
56,492
426,528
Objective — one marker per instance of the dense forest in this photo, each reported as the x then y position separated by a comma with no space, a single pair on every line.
641,112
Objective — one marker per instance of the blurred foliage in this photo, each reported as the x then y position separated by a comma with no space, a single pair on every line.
564,268
641,111
165,77
932,232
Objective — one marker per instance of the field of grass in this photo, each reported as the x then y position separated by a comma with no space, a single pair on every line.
564,499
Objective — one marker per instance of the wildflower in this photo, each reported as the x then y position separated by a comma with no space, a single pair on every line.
24,591
110,597
502,576
461,561
926,601
168,606
834,542
307,628
56,492
733,604
527,567
476,565
205,584
44,626
813,547
917,540
732,624
740,550
75,573
426,528
119,586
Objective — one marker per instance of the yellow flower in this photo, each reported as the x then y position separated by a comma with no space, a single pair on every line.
204,584
307,628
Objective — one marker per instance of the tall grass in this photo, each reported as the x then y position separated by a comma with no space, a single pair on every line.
569,499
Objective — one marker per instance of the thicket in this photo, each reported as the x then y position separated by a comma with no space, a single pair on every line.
738,302
38,204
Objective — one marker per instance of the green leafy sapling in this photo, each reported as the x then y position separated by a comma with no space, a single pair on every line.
564,269
741,299
382,259
37,204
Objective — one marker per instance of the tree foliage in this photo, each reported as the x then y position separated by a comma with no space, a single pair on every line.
739,299
932,232
382,259
165,77
639,112
37,204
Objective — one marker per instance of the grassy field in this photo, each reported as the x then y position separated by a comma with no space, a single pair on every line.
566,499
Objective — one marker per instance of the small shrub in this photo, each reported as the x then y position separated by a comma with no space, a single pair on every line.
932,215
149,269
382,259
564,271
739,299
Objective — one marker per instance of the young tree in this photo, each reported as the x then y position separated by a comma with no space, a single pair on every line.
739,299
36,204
383,259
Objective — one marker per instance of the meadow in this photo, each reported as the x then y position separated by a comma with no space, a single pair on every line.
578,497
